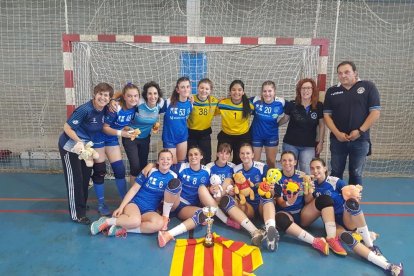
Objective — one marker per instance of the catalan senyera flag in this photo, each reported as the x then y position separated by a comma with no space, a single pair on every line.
225,258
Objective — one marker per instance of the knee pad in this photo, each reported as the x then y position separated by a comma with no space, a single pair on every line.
348,239
283,221
119,169
323,201
99,172
352,206
198,217
174,186
226,203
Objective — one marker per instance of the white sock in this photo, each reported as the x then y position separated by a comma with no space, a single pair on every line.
270,222
111,221
366,237
377,260
330,228
248,225
221,215
178,230
166,209
306,237
134,230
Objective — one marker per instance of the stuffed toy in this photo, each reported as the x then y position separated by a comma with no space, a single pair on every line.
352,191
86,153
133,132
156,127
290,189
243,187
308,185
215,180
272,177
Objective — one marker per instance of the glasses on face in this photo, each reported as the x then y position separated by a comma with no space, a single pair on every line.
306,88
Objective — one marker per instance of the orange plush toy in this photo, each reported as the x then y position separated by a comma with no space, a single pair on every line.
134,132
242,187
156,127
352,191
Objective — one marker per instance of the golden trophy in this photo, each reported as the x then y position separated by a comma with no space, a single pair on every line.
209,212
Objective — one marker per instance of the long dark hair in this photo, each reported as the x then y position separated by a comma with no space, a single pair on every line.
245,100
175,96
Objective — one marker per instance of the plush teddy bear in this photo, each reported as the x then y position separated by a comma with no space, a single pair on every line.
264,189
308,185
352,191
243,187
215,180
86,153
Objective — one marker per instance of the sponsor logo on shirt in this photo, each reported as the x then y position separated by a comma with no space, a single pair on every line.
75,122
314,115
337,93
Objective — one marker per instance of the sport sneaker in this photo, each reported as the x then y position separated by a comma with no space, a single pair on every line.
377,252
272,238
258,236
321,245
396,269
336,246
232,223
117,231
103,210
163,238
165,225
99,225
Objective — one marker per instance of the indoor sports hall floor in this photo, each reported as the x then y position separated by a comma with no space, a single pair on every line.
37,237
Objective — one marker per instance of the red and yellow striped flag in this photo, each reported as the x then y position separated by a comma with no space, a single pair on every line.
226,257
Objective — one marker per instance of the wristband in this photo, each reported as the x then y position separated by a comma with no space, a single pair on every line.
360,132
119,133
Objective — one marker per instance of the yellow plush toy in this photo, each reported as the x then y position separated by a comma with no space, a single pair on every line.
242,187
272,177
86,153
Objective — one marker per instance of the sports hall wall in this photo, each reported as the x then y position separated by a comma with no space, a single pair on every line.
377,34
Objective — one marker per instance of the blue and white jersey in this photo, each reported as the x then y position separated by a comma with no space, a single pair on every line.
224,172
300,201
255,174
152,188
121,118
175,121
87,122
332,187
191,180
146,117
265,122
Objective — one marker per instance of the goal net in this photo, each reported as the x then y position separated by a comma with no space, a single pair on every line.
120,62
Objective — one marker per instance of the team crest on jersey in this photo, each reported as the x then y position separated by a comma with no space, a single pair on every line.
361,90
314,115
203,180
75,122
94,121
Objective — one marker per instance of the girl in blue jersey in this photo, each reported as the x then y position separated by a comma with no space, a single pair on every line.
300,209
177,109
146,117
235,114
138,210
255,171
348,215
115,122
194,178
268,110
223,168
84,125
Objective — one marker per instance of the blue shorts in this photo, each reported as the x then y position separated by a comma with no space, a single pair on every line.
99,140
295,216
111,141
171,145
339,219
180,207
269,142
144,208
